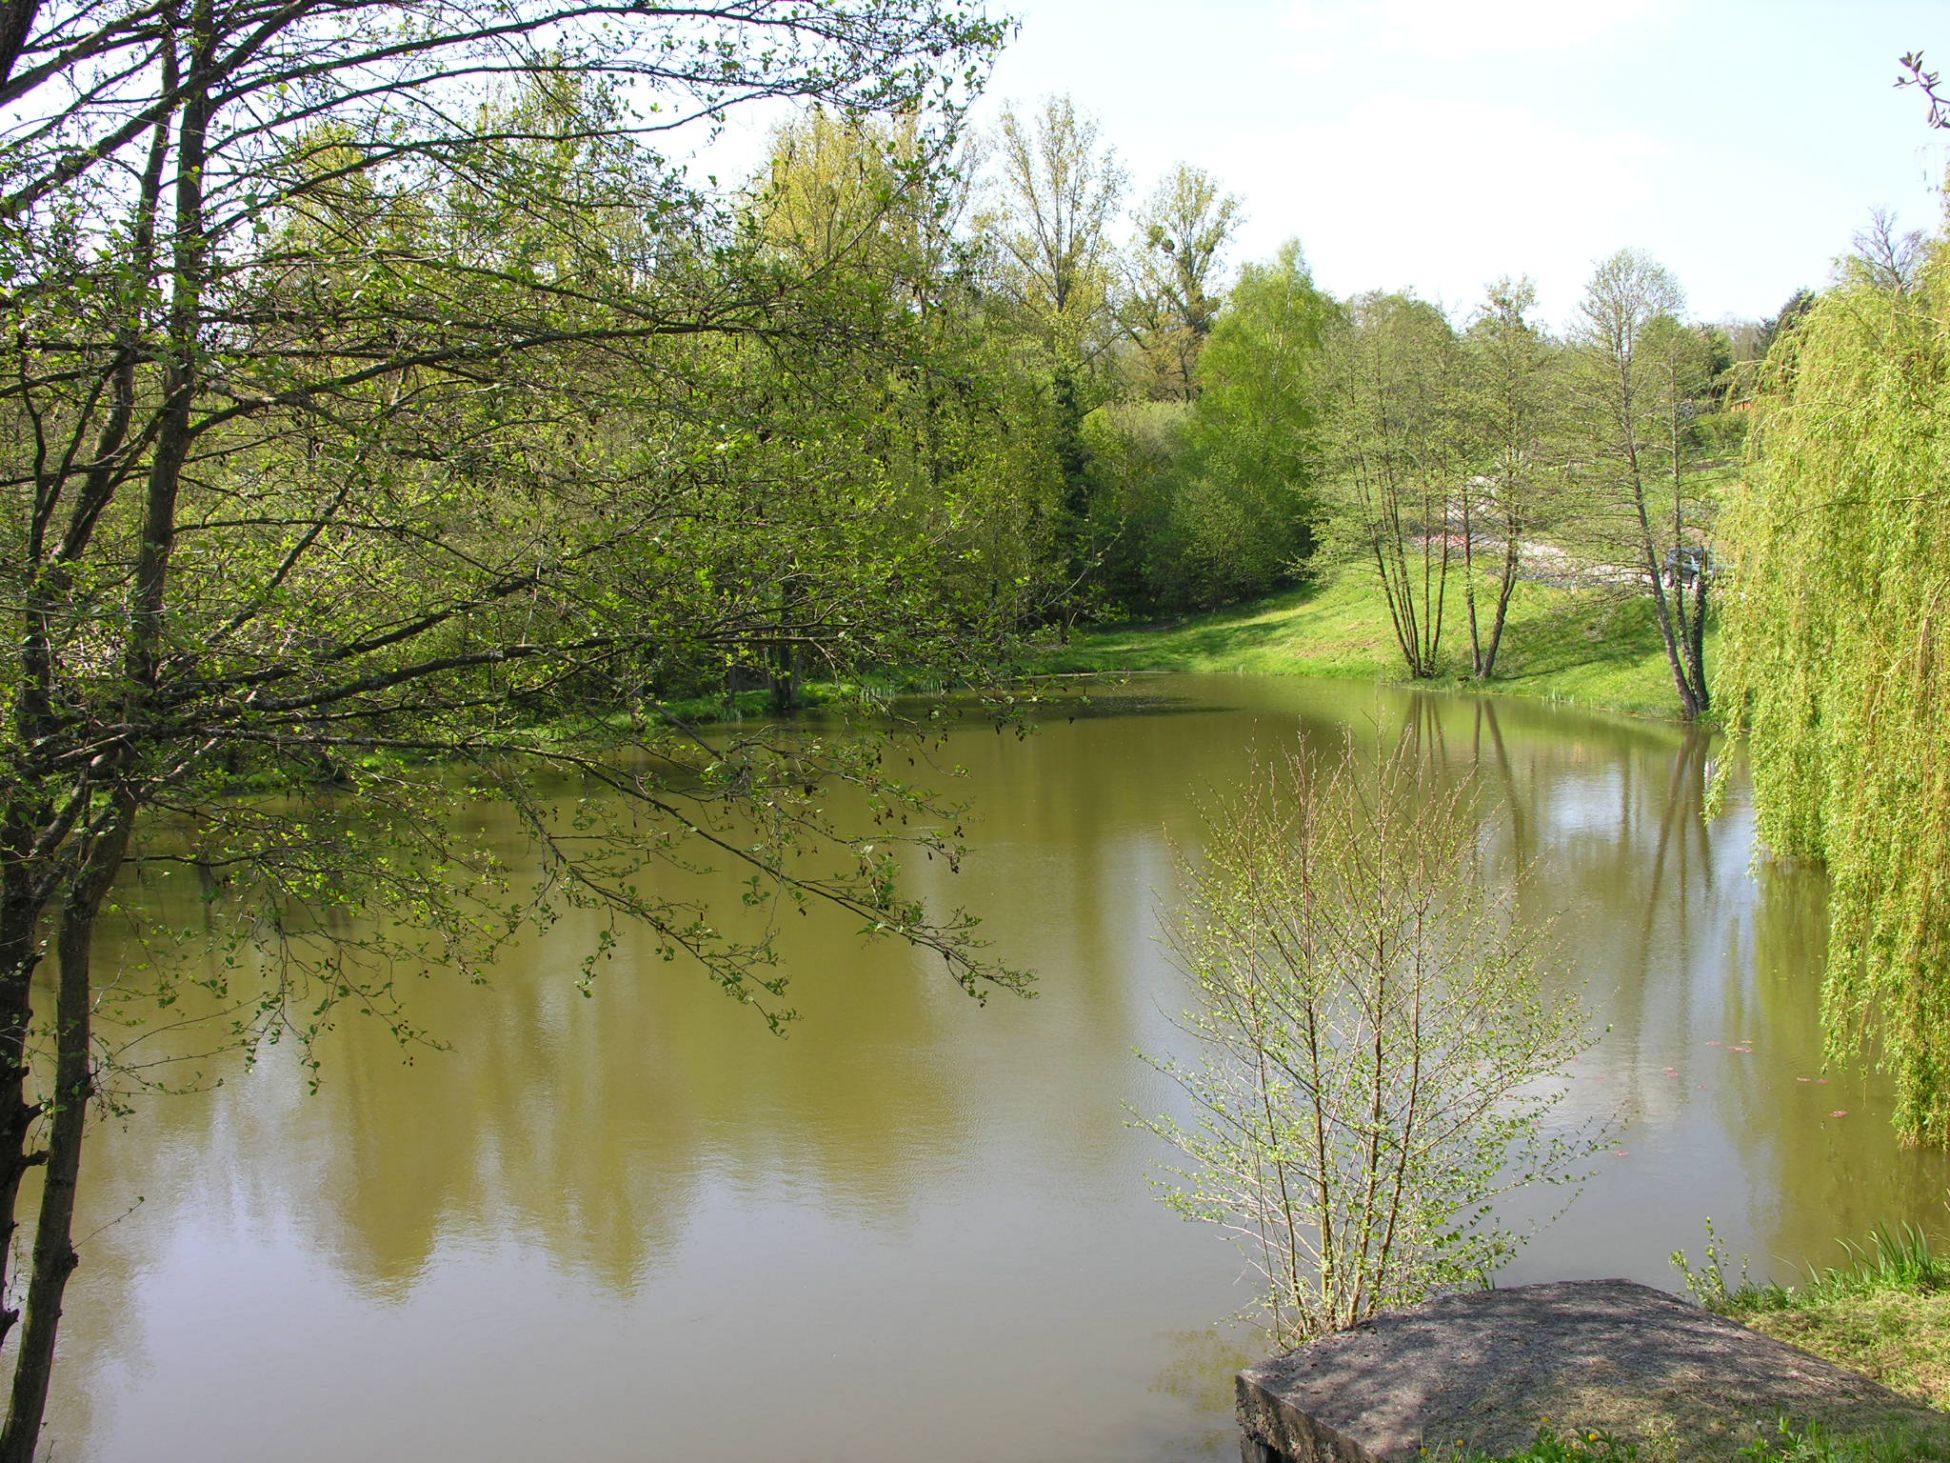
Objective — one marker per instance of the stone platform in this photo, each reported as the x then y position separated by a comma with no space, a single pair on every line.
1482,1370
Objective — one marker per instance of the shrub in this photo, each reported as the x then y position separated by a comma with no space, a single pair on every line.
1379,1060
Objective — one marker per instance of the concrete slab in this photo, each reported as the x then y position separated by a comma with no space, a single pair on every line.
1482,1370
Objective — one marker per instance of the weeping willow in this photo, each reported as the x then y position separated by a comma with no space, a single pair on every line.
1835,665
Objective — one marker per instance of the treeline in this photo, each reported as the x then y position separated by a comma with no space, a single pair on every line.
911,392
1449,459
1115,425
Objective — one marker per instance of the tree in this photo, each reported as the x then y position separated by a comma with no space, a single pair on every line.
1683,363
1254,434
1206,502
1182,233
1833,669
1379,1060
917,384
1510,407
376,389
1792,311
1397,450
1060,191
1890,259
1639,376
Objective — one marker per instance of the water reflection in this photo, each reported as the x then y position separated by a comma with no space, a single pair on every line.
639,1225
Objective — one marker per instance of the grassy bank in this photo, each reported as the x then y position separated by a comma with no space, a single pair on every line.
1900,1338
1785,1442
1596,648
1884,1312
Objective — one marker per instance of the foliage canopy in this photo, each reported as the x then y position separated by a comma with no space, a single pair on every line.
381,402
1834,667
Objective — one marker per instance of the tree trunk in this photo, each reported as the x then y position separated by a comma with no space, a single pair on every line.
1469,589
1434,599
1073,461
1506,587
54,1258
1689,703
785,650
1696,645
16,20
106,843
19,919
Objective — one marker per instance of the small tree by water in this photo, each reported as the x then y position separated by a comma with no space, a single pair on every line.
1380,1060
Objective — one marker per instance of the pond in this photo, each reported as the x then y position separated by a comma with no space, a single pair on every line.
639,1226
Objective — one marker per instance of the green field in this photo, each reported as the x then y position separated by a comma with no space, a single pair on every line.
1596,648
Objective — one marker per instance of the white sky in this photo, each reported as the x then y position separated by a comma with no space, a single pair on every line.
1432,145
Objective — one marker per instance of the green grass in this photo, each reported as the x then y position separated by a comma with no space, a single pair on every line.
1554,1447
1598,648
1788,1442
1883,1312
1813,1444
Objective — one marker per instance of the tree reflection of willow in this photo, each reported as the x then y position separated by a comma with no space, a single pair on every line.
1845,1175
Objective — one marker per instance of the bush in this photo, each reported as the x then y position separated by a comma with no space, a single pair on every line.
1380,1061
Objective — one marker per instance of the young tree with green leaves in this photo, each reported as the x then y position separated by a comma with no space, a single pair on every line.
1639,374
1397,450
917,382
1511,407
1172,300
1380,1060
1211,502
1060,187
1249,506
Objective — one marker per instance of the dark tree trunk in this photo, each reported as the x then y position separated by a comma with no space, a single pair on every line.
785,650
1689,702
16,21
54,1257
105,843
1696,644
1074,463
19,920
1506,587
1469,589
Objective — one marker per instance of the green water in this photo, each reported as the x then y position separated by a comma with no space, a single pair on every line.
640,1227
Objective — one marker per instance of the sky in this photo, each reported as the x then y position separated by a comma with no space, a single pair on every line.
1433,145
